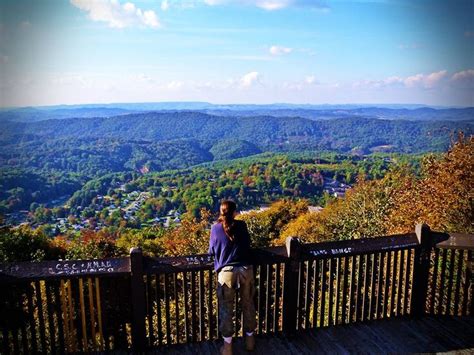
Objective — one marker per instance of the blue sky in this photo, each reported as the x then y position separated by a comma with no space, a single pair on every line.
236,51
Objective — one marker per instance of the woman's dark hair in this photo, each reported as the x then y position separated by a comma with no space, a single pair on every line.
226,217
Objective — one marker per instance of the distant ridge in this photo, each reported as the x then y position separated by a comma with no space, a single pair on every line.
340,133
315,112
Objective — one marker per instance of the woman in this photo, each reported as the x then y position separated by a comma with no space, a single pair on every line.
230,245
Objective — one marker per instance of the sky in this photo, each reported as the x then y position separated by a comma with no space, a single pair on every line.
237,51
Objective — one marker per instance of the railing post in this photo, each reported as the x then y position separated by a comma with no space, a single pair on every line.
290,286
138,300
421,270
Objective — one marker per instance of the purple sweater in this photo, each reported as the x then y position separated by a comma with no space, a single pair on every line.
225,251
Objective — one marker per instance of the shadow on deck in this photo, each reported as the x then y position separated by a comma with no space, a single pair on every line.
429,334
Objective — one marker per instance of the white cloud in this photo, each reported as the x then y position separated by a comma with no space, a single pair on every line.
142,78
117,15
279,50
215,2
174,85
463,79
165,5
391,81
311,79
271,5
249,79
426,81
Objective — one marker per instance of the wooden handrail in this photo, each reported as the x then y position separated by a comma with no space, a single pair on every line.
112,266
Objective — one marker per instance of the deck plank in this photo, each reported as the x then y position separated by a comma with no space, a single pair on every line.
396,335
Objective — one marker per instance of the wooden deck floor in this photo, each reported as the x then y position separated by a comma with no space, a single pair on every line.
445,334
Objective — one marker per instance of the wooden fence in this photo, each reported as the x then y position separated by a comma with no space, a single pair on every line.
142,303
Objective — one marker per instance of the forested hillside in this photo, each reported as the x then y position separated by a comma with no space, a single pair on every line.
47,161
384,205
268,133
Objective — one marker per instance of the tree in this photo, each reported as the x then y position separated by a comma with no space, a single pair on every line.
265,227
191,237
24,244
443,197
93,245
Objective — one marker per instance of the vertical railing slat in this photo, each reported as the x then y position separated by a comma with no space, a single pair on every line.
360,279
300,299
158,308
276,310
401,272
331,291
381,281
176,304
394,283
98,295
444,257
434,282
322,319
365,299
345,271
83,315
39,306
210,315
374,286
352,289
316,292
193,307
166,297
387,285
52,326
92,314
450,281
260,300
149,311
372,277
268,298
186,307
460,260
202,311
468,287
408,285
337,291
31,318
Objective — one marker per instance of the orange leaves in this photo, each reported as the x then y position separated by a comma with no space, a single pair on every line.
443,196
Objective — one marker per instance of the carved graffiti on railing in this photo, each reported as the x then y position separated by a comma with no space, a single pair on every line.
170,264
345,248
336,251
197,260
48,269
7,269
82,267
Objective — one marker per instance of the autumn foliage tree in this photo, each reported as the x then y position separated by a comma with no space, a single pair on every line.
443,197
361,213
191,237
440,196
265,227
90,244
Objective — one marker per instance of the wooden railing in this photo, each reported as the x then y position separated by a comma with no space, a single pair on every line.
143,303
